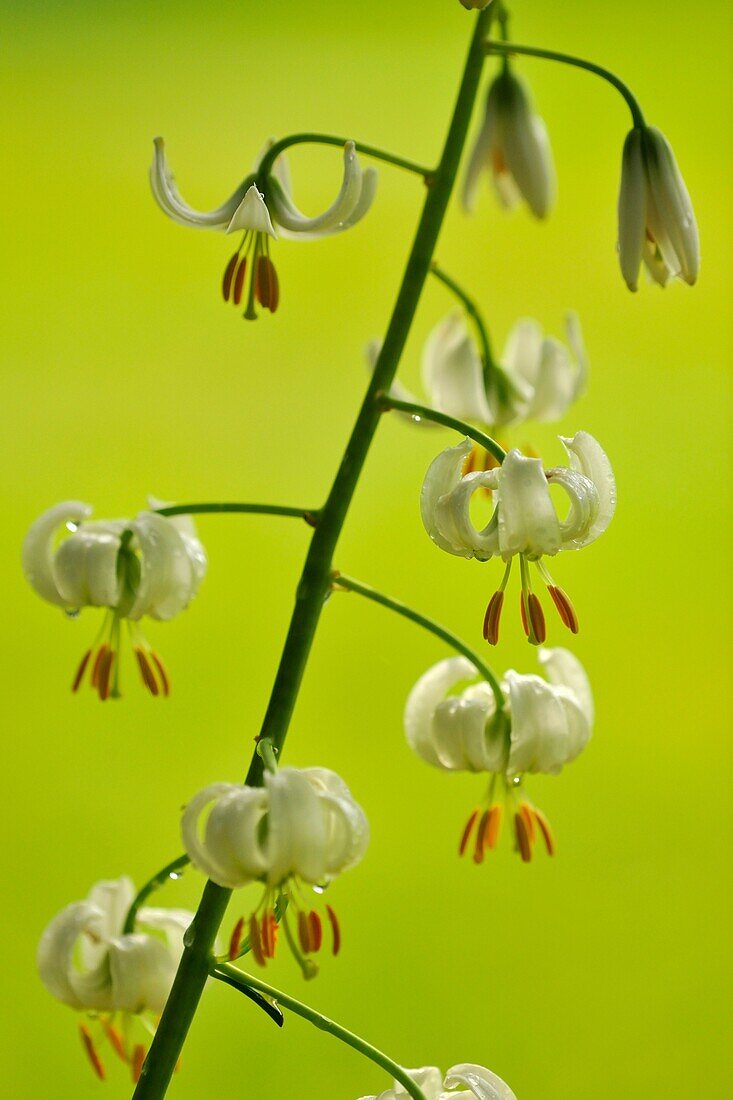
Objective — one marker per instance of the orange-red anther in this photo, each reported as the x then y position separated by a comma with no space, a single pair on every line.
239,281
267,288
136,1062
226,285
536,619
526,811
165,679
116,1041
466,836
335,929
235,940
81,670
269,935
101,652
492,617
105,674
146,671
478,851
91,1052
564,607
304,932
496,813
523,610
520,829
546,831
316,931
255,942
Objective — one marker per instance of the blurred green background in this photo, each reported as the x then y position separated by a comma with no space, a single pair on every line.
602,973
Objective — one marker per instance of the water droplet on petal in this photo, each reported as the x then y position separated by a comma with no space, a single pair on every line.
72,526
175,875
320,887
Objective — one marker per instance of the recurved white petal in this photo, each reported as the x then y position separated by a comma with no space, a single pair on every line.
443,475
632,207
452,372
483,1084
528,157
523,351
56,949
141,973
528,523
215,864
38,548
169,199
453,516
555,383
539,727
676,234
480,157
85,566
335,217
563,669
296,835
169,577
588,458
347,828
429,691
252,215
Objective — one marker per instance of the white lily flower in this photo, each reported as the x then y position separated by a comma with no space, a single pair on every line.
479,1084
455,726
262,209
656,222
302,826
87,961
537,378
513,146
525,521
152,565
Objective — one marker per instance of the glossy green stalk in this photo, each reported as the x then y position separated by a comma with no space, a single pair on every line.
248,509
424,412
509,49
315,579
245,983
266,165
340,580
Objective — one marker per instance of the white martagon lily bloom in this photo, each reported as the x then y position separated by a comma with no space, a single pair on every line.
525,522
302,827
537,377
263,209
465,1081
87,961
656,222
513,146
454,725
150,566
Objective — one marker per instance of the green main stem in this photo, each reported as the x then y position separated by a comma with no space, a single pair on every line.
315,579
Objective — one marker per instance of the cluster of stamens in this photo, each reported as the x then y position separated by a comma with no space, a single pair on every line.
264,925
483,828
251,275
103,661
533,617
131,1054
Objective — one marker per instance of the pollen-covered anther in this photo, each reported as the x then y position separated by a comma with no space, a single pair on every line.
304,933
81,670
255,942
115,1039
546,830
480,846
493,831
269,935
137,1061
239,281
538,631
527,813
522,836
335,930
316,931
146,671
104,681
267,287
235,940
466,834
493,617
226,286
91,1052
564,607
